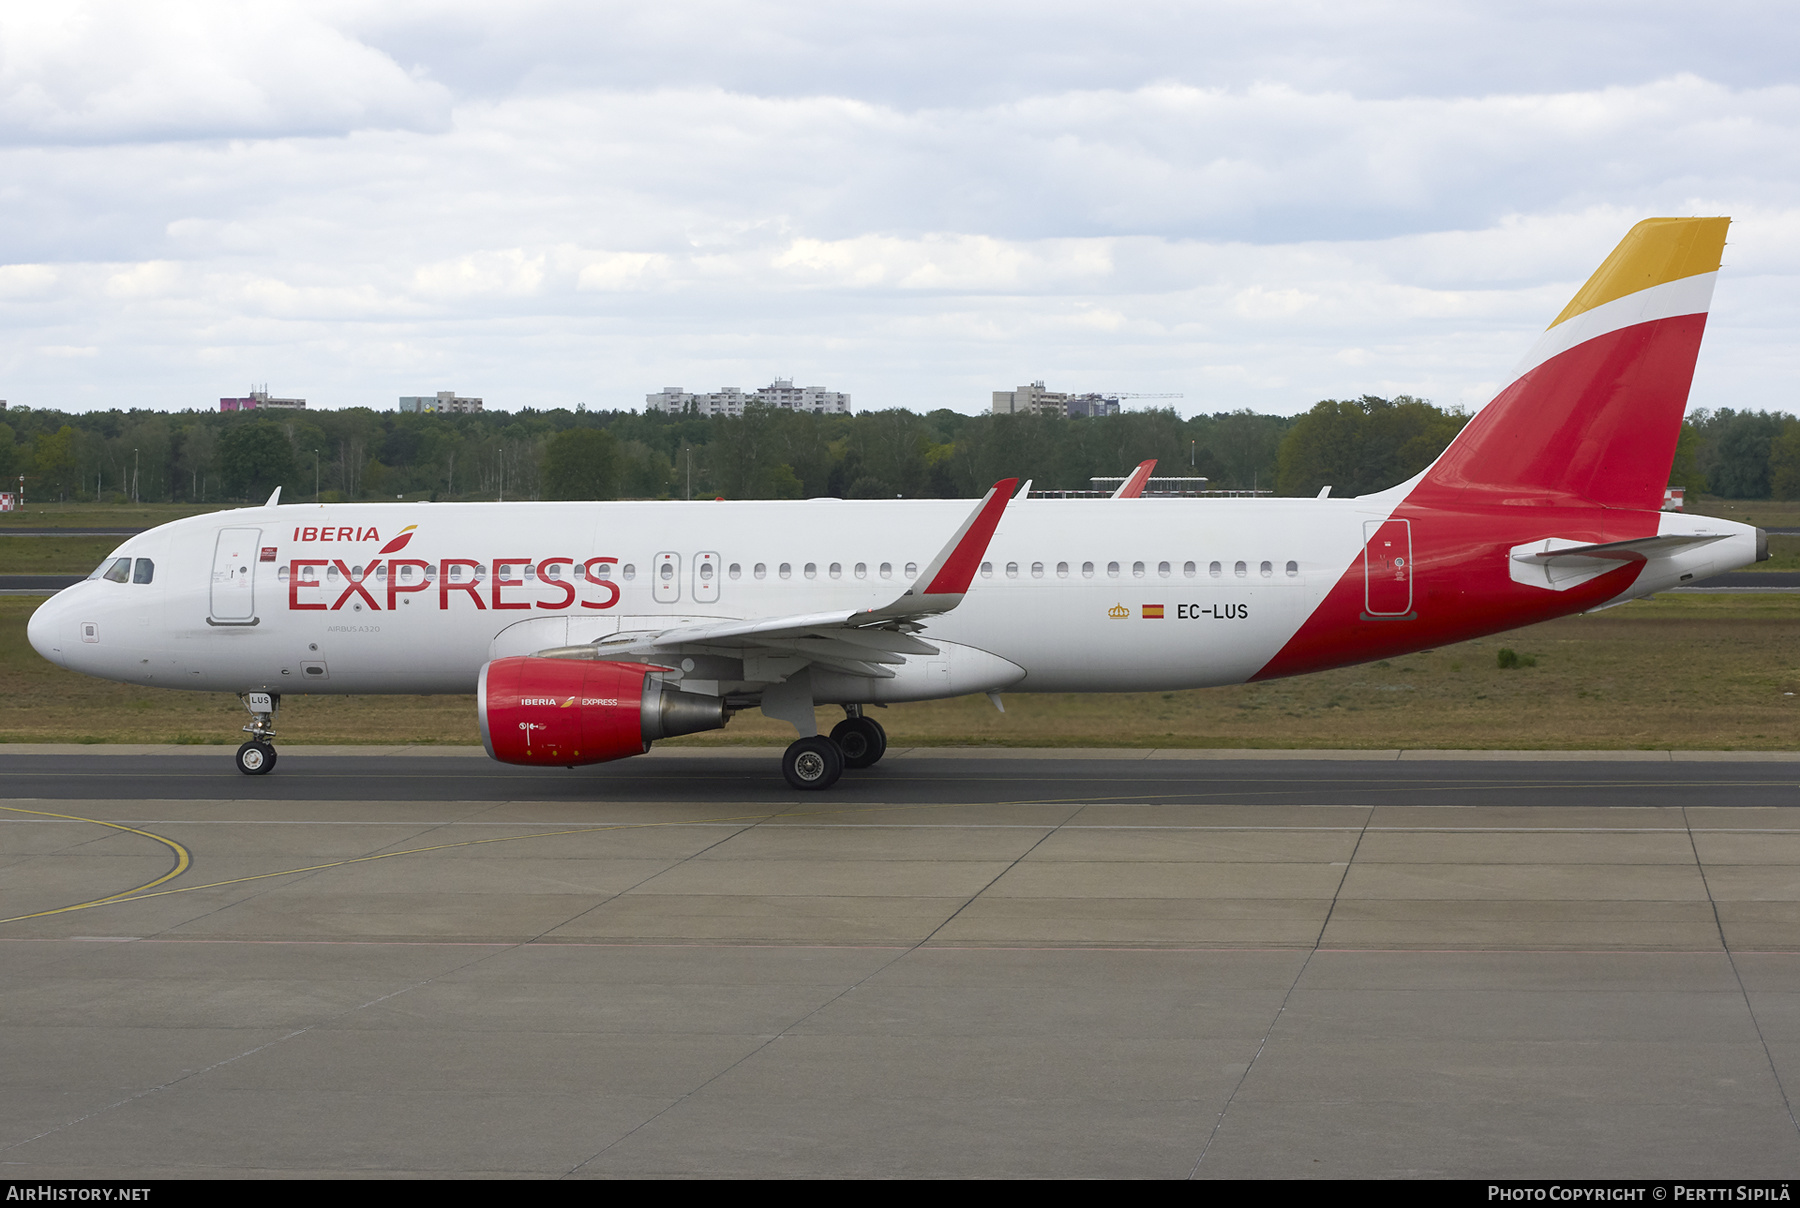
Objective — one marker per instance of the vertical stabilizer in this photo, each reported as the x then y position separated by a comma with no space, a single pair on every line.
1593,412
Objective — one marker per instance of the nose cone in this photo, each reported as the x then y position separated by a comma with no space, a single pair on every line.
44,630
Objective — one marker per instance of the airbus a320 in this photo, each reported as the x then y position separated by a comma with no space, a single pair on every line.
589,631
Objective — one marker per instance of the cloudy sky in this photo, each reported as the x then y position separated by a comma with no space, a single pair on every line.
1254,204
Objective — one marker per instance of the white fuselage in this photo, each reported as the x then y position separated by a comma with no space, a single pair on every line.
1103,595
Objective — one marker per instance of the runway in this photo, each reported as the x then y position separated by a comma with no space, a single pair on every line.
987,964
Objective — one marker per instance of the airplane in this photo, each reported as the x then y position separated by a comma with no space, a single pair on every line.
588,631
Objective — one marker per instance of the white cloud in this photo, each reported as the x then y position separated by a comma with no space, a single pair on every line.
113,70
1257,205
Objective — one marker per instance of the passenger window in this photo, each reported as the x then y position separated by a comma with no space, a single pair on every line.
912,570
1062,570
1214,569
1012,570
1162,568
812,570
144,571
760,570
786,571
667,571
837,570
602,571
1137,570
862,570
629,570
1241,570
706,572
1188,569
887,570
282,574
1112,570
1293,570
987,570
530,571
1087,570
331,572
381,571
1037,570
1268,569
736,571
119,571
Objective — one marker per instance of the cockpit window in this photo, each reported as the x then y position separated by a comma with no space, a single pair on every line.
119,571
144,571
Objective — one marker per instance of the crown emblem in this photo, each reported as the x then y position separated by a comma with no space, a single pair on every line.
1118,612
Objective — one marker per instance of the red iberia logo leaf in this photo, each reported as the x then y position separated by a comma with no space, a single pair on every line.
398,543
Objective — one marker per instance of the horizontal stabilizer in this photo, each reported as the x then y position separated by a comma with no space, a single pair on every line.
1559,563
1623,551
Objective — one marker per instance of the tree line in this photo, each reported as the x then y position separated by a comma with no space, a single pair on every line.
1354,446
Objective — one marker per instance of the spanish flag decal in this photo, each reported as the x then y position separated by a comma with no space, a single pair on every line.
1153,612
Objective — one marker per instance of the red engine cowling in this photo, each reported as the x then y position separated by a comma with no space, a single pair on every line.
563,712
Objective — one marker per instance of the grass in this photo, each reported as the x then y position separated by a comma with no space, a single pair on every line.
53,555
1695,671
104,515
1768,513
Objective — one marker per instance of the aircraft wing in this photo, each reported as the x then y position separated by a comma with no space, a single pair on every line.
861,642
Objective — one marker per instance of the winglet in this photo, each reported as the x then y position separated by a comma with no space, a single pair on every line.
951,572
946,580
273,500
1133,487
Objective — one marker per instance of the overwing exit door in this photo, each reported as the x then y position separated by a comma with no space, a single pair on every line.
1387,568
234,576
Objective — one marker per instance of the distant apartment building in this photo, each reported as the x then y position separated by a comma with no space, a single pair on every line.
731,400
259,400
445,402
1031,400
1036,400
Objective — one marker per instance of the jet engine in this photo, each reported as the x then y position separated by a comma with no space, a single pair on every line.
563,712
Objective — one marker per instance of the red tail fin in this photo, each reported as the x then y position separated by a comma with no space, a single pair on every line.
1593,412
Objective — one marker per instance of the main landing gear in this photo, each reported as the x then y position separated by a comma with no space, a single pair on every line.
817,762
257,757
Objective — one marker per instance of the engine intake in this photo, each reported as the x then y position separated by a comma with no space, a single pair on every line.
563,712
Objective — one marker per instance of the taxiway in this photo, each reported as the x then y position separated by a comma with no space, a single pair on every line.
959,963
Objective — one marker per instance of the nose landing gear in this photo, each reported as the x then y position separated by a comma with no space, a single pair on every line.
257,757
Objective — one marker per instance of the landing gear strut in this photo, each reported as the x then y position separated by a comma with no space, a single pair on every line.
257,757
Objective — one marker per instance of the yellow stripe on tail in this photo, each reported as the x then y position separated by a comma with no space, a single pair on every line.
1655,251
